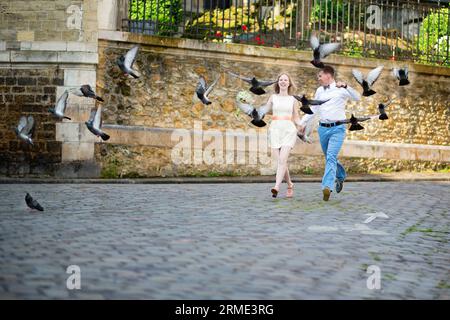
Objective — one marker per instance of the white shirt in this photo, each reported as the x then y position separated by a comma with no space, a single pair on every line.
334,109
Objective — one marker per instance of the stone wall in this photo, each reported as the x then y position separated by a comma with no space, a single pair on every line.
30,92
46,47
164,98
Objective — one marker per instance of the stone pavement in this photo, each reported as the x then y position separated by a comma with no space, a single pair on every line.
225,241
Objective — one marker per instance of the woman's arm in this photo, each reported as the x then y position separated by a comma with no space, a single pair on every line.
295,114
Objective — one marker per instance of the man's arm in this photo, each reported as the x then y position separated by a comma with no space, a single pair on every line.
350,92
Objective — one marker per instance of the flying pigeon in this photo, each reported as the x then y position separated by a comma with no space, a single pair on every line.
126,62
25,129
321,51
203,90
86,91
33,204
306,103
257,85
354,122
402,75
60,107
366,83
256,115
382,110
94,124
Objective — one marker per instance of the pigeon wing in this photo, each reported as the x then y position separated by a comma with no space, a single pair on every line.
245,107
373,75
328,48
130,56
395,73
358,76
406,72
29,128
92,116
211,87
317,102
310,125
390,101
201,85
267,83
98,118
314,42
22,123
62,102
87,91
249,80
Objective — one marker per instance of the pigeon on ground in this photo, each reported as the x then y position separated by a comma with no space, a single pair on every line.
125,62
321,51
306,103
203,90
94,124
382,110
25,129
401,75
60,107
257,85
86,91
33,204
366,83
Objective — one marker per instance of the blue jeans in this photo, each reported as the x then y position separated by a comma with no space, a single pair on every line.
331,140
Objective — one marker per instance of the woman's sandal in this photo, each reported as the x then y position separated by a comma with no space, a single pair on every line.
290,191
274,192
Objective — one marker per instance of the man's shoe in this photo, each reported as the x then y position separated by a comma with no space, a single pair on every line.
326,194
339,185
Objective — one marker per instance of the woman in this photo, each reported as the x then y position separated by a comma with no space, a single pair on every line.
282,130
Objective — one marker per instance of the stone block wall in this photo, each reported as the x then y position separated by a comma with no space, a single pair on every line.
28,92
46,47
164,98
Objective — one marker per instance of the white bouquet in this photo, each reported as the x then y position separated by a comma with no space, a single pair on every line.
244,97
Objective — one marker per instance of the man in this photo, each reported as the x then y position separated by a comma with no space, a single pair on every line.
331,131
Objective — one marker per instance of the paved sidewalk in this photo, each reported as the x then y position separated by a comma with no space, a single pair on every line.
225,241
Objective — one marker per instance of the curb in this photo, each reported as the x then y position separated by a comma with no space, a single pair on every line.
213,180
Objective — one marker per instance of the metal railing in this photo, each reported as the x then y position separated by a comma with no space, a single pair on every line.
398,30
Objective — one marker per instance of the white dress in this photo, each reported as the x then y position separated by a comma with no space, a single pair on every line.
282,132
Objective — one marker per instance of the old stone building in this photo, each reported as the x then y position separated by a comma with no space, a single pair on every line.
159,128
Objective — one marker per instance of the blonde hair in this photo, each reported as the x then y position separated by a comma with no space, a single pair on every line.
292,87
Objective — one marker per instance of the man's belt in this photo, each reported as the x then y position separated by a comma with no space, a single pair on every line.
331,124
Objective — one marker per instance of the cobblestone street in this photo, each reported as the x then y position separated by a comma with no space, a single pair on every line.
225,241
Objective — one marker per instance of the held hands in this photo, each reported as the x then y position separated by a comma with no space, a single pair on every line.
301,129
341,84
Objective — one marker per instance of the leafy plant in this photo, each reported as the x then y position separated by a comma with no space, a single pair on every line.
434,37
333,12
167,14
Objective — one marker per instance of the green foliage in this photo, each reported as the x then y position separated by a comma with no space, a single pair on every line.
168,13
110,171
353,49
434,37
333,12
